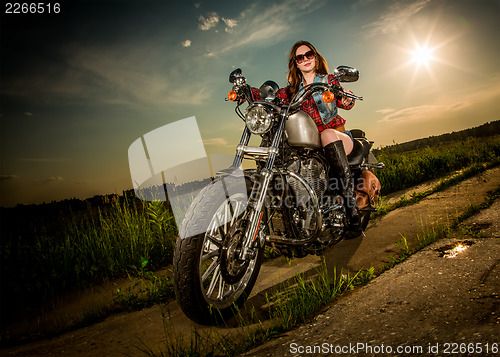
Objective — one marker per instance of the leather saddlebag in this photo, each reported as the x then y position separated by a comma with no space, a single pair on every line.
367,189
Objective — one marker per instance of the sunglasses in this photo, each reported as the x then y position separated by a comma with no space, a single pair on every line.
300,58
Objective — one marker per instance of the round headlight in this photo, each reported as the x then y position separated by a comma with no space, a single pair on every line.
258,119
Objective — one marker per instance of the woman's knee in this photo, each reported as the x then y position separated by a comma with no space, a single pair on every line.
329,136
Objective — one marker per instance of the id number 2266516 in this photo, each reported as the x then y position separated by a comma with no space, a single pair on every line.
32,8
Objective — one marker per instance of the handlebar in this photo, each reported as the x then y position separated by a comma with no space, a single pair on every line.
352,96
306,92
314,87
300,97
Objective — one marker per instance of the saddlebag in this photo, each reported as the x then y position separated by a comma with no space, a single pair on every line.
367,189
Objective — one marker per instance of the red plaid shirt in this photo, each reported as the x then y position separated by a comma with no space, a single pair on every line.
310,107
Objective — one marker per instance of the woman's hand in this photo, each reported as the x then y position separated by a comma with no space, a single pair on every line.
346,101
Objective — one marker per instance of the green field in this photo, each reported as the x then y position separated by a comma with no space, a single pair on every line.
410,168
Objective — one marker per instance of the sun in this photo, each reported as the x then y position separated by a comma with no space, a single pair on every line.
422,55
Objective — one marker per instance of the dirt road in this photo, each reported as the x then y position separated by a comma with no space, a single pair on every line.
384,304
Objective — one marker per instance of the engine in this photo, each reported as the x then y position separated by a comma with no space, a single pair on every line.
313,171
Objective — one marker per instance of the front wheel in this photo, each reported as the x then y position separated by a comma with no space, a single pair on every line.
209,278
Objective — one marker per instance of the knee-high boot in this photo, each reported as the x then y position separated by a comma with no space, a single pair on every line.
337,157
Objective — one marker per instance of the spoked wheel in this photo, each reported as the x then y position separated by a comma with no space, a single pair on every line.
210,279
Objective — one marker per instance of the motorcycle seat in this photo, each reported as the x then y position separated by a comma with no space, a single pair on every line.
357,133
355,158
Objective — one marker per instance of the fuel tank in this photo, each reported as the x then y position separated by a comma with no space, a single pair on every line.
301,131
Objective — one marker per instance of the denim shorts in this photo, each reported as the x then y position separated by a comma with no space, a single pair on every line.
348,133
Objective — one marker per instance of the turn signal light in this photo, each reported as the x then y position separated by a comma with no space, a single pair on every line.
328,96
232,96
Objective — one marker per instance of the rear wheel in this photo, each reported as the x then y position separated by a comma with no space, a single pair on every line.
209,278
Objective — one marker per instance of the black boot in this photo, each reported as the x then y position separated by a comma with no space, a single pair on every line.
337,157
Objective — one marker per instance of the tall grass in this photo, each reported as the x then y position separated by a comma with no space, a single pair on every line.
407,169
301,299
384,207
129,237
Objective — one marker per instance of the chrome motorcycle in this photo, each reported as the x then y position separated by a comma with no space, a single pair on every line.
289,201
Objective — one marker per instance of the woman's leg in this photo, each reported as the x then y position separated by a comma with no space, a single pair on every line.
330,135
337,146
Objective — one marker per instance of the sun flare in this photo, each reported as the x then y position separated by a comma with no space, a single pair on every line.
422,55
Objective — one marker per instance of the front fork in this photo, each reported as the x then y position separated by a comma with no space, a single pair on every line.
257,204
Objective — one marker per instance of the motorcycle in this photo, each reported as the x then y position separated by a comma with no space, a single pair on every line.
289,201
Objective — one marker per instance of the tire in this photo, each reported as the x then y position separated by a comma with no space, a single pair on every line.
365,219
201,288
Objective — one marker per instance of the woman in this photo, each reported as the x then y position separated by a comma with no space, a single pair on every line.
306,66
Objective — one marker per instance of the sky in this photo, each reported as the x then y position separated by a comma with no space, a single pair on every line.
78,87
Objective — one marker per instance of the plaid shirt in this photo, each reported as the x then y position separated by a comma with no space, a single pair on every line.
310,107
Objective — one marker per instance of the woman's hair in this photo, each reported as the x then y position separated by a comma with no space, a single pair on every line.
295,75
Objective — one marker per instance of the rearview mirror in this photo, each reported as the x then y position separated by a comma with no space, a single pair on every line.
235,75
346,74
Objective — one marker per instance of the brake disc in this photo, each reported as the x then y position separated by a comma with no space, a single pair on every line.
232,267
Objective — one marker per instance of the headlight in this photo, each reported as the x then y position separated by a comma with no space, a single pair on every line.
258,119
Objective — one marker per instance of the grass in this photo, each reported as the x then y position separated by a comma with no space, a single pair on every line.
128,238
297,302
411,168
150,289
415,197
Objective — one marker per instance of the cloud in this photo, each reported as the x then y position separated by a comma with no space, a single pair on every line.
8,177
215,142
124,75
51,179
68,85
481,95
28,114
186,43
136,72
230,23
264,26
457,106
385,111
212,19
206,23
422,112
395,17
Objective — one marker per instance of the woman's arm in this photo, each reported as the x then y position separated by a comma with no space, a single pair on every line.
283,94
